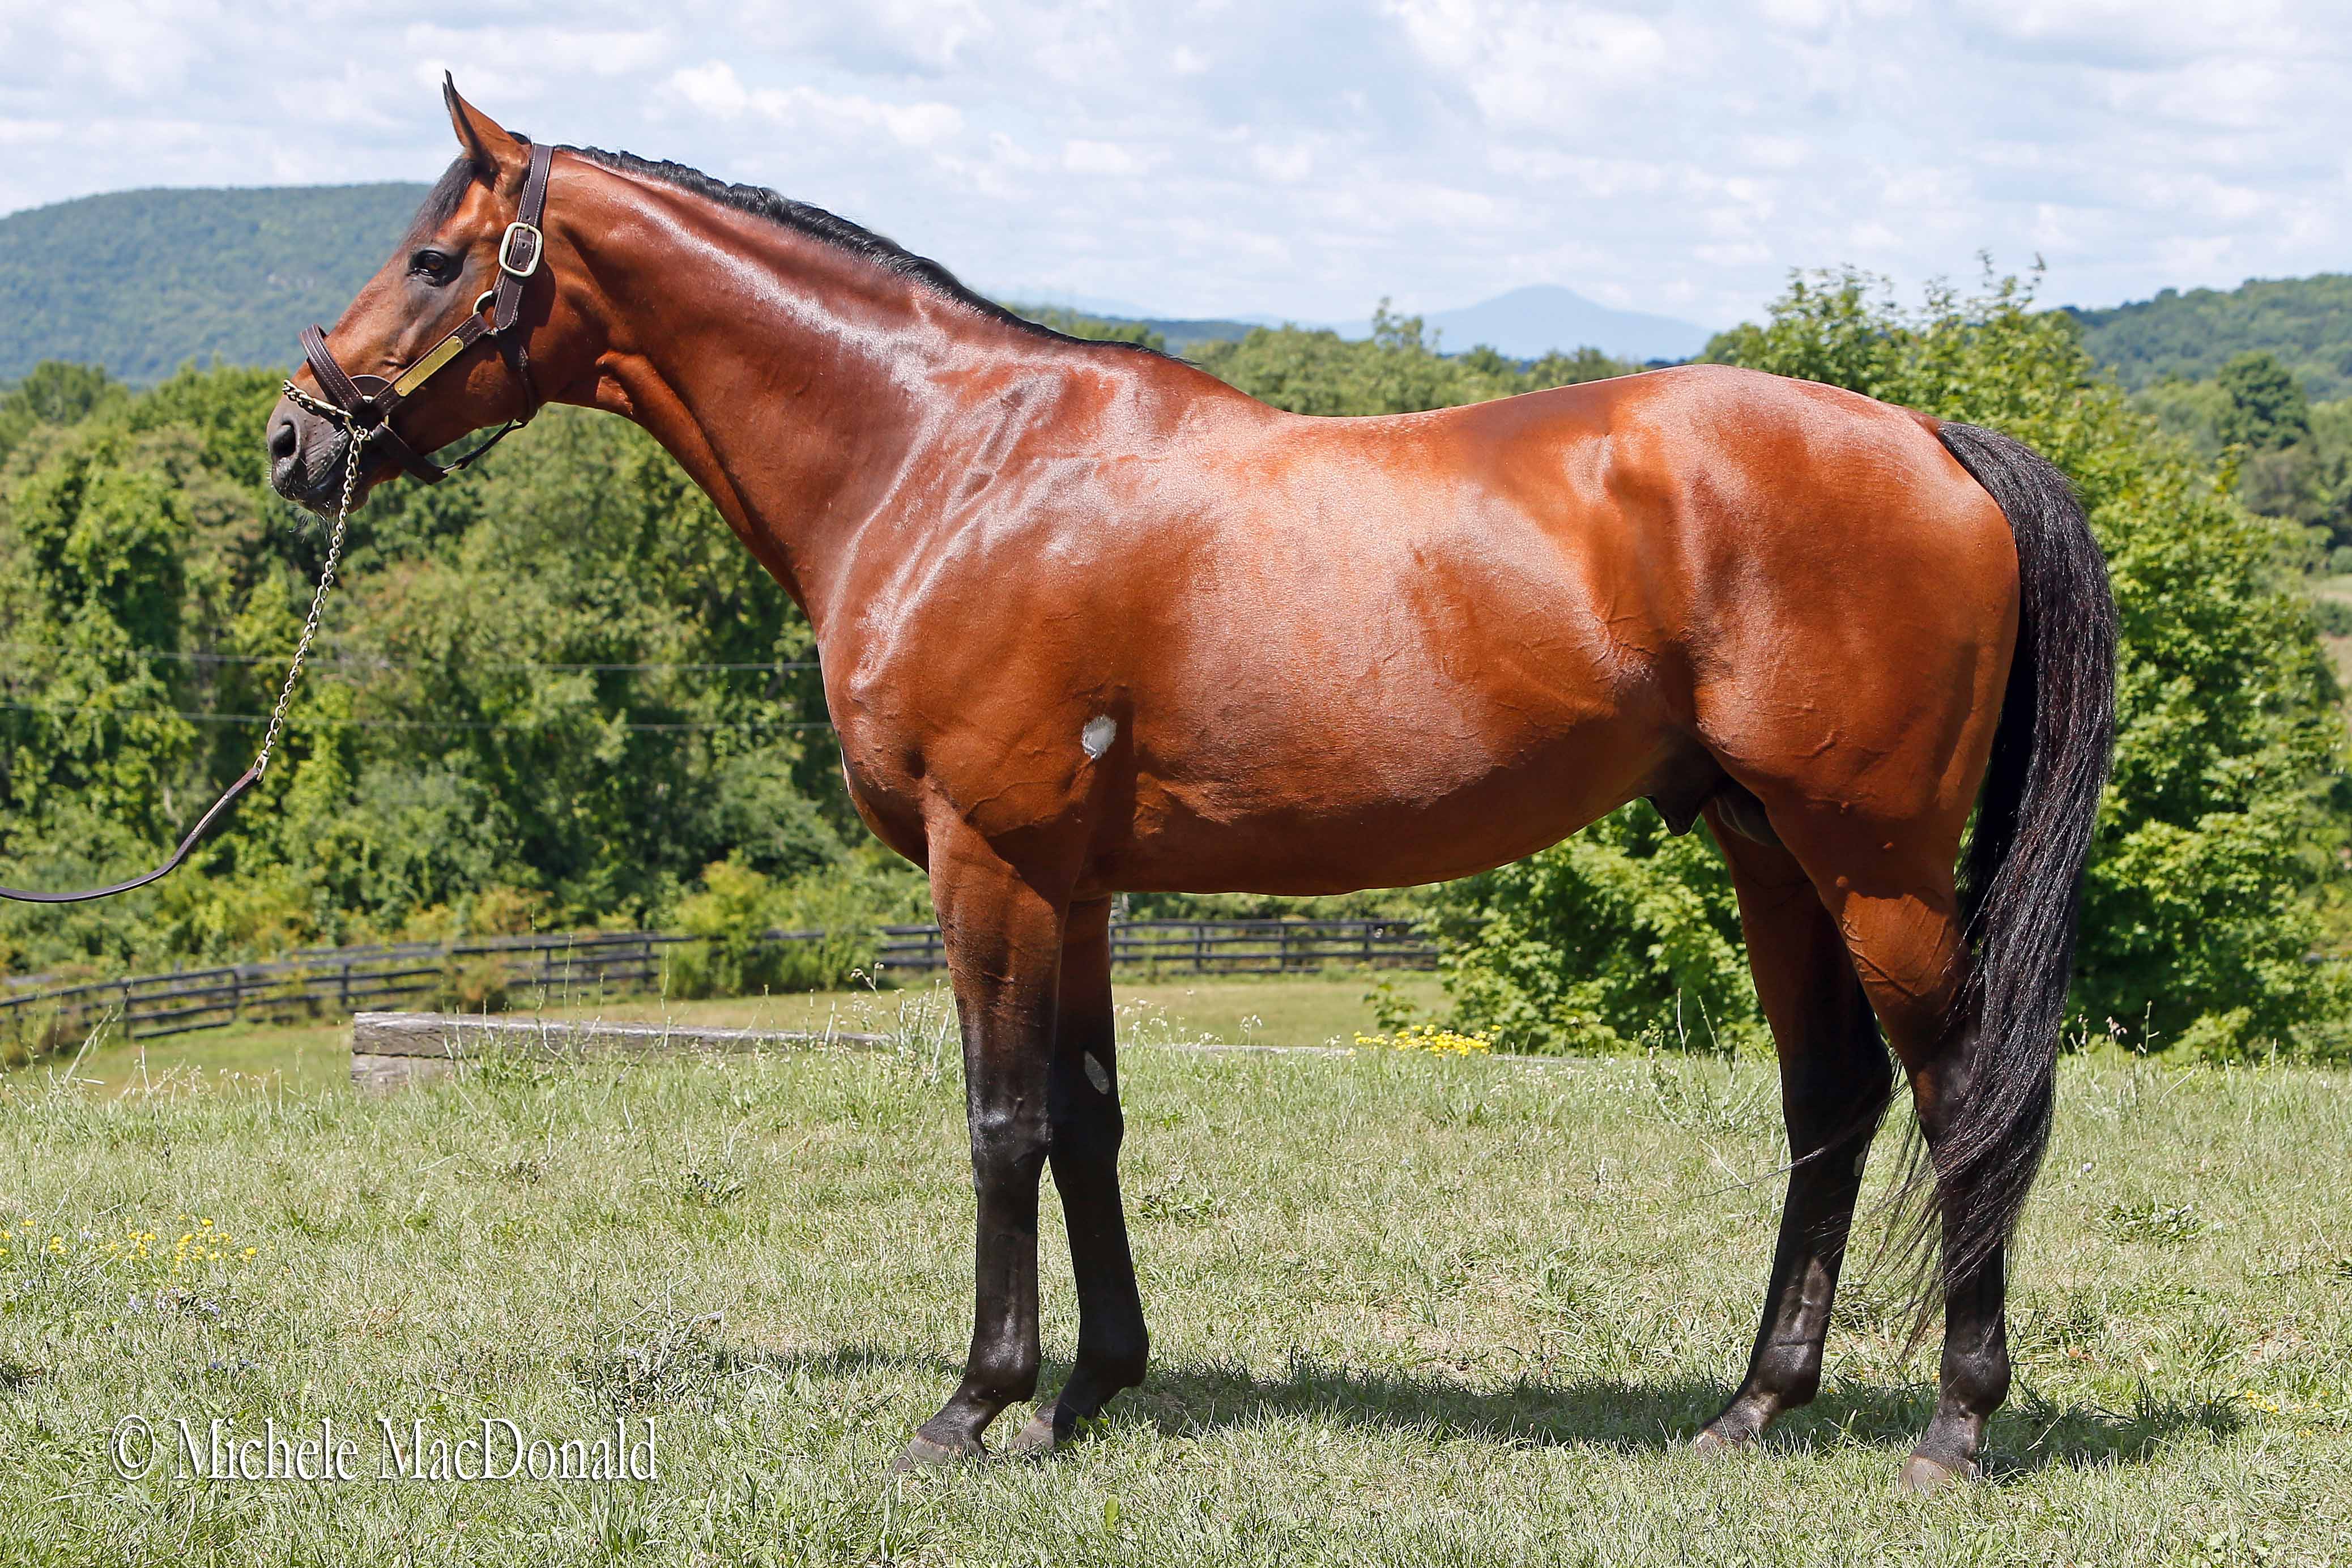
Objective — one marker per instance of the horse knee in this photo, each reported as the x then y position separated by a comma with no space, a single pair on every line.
1008,1145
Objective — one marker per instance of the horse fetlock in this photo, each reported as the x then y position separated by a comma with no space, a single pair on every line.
996,1387
1740,1423
1120,1368
1974,1384
1037,1439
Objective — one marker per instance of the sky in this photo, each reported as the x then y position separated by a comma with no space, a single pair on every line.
1300,158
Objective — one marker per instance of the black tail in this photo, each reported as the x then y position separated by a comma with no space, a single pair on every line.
2021,883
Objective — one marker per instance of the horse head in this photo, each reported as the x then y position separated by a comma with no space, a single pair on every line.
469,302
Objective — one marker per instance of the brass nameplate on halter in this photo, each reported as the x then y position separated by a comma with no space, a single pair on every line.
415,376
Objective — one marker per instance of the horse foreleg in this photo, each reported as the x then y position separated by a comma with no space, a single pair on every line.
1834,1080
1004,943
1082,1110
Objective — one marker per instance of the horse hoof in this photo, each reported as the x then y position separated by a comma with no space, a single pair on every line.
1924,1476
924,1454
1711,1444
1035,1438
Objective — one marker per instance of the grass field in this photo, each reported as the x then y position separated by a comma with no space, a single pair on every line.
1405,1311
1266,1010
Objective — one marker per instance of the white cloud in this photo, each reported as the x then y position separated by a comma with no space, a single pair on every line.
1304,157
1081,156
714,88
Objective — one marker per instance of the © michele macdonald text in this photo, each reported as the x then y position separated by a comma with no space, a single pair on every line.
494,1450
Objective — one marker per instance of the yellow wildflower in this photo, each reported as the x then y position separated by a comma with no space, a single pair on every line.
1429,1037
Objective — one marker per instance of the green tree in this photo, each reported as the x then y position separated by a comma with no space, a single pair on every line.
53,392
556,683
1621,930
1397,370
2266,408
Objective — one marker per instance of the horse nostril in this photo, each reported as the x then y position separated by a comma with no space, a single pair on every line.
283,439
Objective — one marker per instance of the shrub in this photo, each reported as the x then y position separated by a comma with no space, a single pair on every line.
473,984
1598,939
738,906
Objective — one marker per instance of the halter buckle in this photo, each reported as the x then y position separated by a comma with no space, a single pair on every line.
534,246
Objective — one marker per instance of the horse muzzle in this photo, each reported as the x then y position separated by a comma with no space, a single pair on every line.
307,455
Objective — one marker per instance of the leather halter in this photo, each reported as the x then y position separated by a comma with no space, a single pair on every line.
371,400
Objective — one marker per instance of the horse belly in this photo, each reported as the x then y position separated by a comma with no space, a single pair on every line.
1352,798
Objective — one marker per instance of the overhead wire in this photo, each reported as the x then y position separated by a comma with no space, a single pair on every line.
317,722
373,662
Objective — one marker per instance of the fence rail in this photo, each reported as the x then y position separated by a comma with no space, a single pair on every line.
333,982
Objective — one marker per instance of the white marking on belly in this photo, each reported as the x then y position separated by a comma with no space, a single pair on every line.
1097,735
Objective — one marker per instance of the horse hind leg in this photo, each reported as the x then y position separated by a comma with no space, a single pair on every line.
1891,895
1834,1084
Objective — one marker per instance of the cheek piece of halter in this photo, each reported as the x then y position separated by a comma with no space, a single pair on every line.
362,406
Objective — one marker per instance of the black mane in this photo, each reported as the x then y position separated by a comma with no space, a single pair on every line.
831,229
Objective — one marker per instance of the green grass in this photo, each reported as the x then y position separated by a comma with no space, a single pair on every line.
1405,1311
1268,1010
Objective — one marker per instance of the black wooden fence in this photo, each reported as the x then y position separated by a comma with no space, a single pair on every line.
320,982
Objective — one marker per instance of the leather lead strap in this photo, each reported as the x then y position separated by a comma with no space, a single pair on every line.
204,825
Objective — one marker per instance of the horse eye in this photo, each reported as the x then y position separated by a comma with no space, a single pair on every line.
433,266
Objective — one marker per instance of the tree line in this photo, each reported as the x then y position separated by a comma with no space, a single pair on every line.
556,693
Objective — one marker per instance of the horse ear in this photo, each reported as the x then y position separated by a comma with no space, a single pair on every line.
497,154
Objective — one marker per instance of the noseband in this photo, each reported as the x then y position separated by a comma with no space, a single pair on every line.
363,404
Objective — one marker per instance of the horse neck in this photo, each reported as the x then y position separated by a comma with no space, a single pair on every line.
794,381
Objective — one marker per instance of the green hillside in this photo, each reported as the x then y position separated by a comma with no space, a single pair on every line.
2304,322
142,281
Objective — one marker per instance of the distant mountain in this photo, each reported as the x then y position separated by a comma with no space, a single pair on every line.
142,281
2306,322
1529,323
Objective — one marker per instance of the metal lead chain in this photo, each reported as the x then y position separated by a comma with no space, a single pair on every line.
354,451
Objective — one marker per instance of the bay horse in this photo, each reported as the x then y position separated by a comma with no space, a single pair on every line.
1091,621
